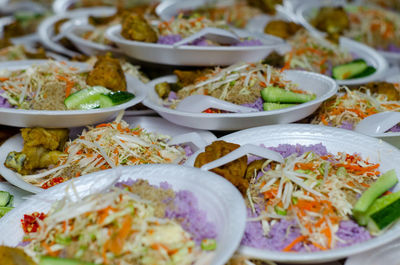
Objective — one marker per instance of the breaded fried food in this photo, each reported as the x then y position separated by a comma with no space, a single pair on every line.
136,27
42,148
14,256
189,77
107,72
266,6
234,171
282,29
332,20
384,88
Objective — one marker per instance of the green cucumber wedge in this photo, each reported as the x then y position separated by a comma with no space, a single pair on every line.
274,106
85,98
5,198
349,70
367,72
46,260
383,212
4,210
279,95
384,183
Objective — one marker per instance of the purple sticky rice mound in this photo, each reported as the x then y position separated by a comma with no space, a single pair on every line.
288,149
393,48
258,104
169,39
186,211
284,232
347,125
396,128
200,42
4,102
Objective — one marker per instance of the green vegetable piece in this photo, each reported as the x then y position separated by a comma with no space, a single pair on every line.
208,244
4,210
279,95
120,97
369,71
349,70
280,210
4,198
85,98
383,212
341,172
46,260
384,183
274,106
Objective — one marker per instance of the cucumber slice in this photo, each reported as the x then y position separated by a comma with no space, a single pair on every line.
85,98
383,212
369,71
5,198
45,260
4,210
274,106
384,183
349,70
120,97
279,95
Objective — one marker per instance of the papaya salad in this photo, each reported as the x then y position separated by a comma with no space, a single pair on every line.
132,223
138,28
253,85
58,86
47,159
314,201
349,107
315,54
374,26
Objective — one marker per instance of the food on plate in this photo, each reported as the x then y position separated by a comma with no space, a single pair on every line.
15,256
6,203
267,6
319,55
253,85
317,200
389,4
25,22
42,148
138,28
64,41
58,86
234,171
105,146
10,52
131,223
107,72
349,107
374,26
282,29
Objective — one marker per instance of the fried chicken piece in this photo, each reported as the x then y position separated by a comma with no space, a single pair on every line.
107,72
189,77
282,29
5,42
254,166
275,59
14,256
135,27
332,20
234,171
102,20
42,148
267,6
384,88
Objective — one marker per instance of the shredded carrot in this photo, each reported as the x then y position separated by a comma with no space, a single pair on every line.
293,243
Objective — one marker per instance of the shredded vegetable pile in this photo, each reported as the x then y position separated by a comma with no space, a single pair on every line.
186,27
349,108
314,54
116,227
41,87
311,194
240,84
376,27
107,146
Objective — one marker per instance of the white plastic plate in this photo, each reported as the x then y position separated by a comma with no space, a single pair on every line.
305,11
388,255
220,200
67,118
46,28
324,87
152,124
194,55
336,140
